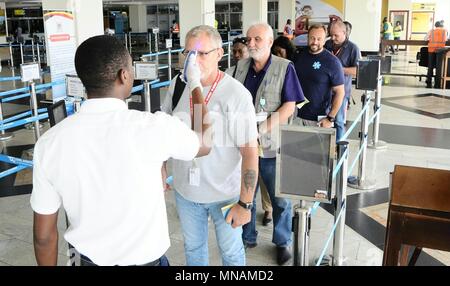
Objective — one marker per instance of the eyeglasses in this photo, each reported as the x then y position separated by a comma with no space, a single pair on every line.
199,53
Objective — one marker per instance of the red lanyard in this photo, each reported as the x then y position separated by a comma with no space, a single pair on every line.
337,52
208,96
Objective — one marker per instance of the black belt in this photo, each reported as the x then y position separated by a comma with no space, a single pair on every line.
85,261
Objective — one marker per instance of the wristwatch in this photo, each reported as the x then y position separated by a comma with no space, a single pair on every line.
331,118
247,206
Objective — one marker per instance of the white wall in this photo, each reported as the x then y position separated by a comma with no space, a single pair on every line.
365,17
254,11
443,12
286,10
194,13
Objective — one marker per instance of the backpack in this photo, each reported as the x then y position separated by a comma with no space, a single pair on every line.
178,91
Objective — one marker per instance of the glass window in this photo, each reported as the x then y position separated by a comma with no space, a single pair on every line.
235,7
163,9
151,10
222,8
236,21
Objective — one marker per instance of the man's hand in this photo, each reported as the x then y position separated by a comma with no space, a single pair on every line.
238,216
192,71
164,178
325,123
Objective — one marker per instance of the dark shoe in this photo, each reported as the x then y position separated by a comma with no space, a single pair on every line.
250,244
267,218
283,255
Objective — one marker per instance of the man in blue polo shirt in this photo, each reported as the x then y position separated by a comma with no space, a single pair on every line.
275,88
322,78
349,55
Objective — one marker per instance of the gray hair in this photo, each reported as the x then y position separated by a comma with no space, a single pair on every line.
341,25
267,28
211,32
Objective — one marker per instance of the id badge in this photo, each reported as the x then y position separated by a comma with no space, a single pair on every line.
194,176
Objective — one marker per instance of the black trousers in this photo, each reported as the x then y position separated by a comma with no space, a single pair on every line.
434,62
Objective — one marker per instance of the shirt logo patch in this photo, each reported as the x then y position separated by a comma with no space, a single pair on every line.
317,65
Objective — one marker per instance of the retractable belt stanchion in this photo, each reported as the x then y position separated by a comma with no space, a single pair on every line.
147,91
21,52
3,135
302,227
170,63
361,182
341,202
229,52
38,55
12,57
34,107
130,44
375,143
150,43
126,41
32,49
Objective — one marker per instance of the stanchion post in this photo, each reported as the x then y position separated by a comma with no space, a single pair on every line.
150,43
147,103
32,48
34,107
3,135
229,53
21,52
38,54
126,41
11,55
129,38
170,63
341,198
301,235
375,142
362,183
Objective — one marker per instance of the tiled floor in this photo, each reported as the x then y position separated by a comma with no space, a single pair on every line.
414,138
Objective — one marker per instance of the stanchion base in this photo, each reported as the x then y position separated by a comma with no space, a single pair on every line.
355,183
380,145
326,261
6,136
30,126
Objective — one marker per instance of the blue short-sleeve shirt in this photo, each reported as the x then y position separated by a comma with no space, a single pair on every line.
318,74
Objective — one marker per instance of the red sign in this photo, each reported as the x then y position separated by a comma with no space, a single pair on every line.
60,38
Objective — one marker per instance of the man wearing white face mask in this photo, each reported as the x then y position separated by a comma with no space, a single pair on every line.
275,89
205,187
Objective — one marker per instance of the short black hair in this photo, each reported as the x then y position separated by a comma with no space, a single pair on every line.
242,40
285,43
98,61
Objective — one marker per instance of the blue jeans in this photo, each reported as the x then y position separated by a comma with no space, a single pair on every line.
340,120
282,209
194,223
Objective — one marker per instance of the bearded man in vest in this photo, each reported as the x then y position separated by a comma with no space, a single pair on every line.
436,38
275,89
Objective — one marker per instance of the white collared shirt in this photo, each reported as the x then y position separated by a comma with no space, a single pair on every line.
104,165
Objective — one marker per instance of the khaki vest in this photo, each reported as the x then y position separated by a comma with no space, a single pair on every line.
270,92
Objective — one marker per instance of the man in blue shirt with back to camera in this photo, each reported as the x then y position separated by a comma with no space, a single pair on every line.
322,78
349,55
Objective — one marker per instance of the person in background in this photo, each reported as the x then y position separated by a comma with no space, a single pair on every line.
388,33
398,29
322,78
349,27
348,54
437,39
288,31
283,48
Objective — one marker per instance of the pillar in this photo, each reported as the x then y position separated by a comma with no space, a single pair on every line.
194,13
138,18
286,10
253,11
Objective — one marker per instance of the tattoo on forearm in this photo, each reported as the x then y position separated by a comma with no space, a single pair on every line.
250,180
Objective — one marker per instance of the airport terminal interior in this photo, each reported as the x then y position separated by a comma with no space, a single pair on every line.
412,128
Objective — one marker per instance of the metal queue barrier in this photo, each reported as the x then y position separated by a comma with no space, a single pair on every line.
34,48
301,154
